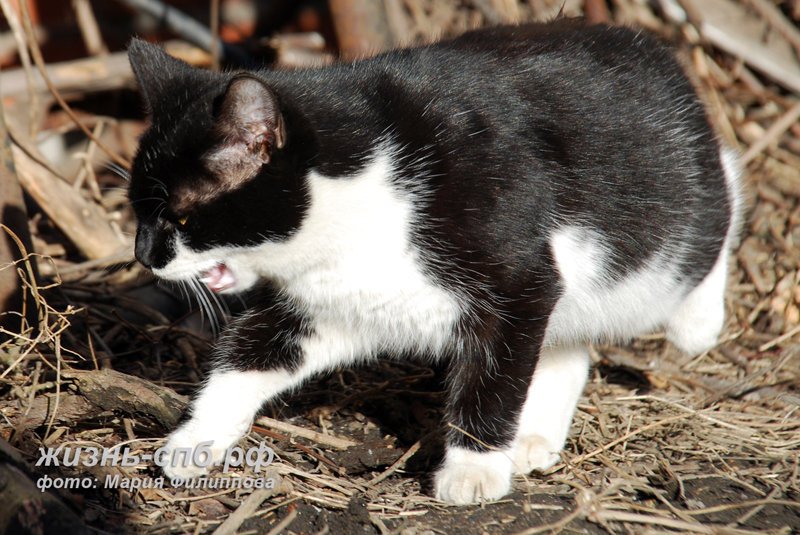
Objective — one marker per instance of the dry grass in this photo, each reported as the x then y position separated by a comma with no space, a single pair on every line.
661,442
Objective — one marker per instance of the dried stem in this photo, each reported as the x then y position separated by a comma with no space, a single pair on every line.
39,60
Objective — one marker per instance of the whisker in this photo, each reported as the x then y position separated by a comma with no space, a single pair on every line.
185,293
212,317
192,285
147,199
207,306
160,184
221,305
118,169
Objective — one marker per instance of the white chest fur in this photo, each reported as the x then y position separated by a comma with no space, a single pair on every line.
353,269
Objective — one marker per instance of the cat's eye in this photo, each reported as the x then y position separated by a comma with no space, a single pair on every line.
183,220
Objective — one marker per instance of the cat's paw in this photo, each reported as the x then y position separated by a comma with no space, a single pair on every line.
189,451
534,452
185,472
471,484
470,477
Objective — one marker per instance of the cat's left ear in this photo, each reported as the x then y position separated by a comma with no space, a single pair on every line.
249,119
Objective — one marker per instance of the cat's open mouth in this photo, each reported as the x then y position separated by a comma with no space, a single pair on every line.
219,278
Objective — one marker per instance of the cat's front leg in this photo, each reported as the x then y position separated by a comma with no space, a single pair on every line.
488,385
222,413
258,357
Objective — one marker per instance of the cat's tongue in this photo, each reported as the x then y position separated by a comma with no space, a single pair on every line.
219,278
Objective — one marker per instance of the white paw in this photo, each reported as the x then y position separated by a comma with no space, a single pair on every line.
534,452
696,326
470,477
185,472
189,451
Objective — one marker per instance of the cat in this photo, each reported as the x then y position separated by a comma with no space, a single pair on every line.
499,200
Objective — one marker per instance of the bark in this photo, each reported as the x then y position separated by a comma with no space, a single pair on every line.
14,216
24,509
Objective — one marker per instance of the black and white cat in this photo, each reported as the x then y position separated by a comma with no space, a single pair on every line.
499,200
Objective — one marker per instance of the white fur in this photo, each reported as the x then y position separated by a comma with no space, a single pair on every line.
579,257
361,277
468,476
352,270
547,414
223,412
595,308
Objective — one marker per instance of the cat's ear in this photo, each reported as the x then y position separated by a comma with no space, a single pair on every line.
249,119
156,72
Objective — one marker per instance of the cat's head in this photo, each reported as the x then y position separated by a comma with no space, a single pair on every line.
216,175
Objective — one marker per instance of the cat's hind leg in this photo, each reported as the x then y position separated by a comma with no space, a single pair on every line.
547,414
696,325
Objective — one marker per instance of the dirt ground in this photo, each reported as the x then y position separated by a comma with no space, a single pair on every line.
661,442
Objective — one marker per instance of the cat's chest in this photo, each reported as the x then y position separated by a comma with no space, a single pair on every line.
386,306
352,267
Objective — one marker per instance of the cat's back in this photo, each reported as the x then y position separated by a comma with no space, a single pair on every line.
568,50
515,129
564,50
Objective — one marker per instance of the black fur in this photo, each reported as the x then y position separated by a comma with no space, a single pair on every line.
505,133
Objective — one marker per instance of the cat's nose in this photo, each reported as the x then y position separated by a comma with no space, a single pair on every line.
155,244
145,250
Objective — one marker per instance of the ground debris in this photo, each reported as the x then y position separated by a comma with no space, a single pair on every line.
661,442
115,391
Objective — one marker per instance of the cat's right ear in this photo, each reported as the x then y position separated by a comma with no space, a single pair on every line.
156,71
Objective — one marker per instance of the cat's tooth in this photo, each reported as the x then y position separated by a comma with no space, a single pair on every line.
227,279
210,276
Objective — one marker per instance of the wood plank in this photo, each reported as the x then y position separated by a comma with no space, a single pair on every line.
728,26
82,221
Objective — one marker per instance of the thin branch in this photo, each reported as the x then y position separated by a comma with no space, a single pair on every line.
772,134
25,59
36,52
402,460
329,440
215,48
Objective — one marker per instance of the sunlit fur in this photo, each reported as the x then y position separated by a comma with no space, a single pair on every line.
498,201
